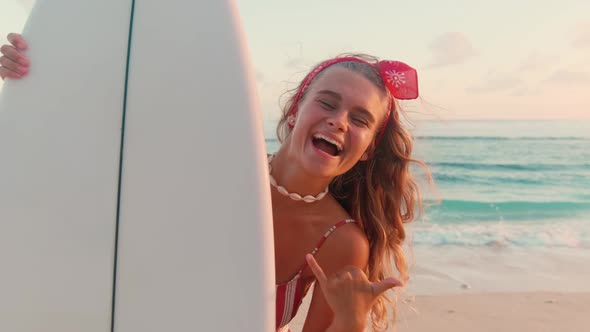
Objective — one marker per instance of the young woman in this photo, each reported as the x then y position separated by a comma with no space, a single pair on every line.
341,189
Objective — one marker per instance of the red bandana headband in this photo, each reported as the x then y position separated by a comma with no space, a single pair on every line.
400,80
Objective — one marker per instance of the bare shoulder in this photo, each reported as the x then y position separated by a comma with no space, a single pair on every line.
346,245
349,246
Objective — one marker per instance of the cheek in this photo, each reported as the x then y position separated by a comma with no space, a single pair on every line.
363,139
307,116
308,109
302,125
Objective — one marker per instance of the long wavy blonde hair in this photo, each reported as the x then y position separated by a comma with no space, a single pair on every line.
381,192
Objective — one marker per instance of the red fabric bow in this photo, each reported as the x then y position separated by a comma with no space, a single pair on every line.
401,80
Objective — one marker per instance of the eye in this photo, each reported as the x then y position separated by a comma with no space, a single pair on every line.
360,121
326,105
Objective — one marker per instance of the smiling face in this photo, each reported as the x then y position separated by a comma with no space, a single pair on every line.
336,121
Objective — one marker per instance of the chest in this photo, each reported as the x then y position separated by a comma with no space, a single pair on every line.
293,239
298,227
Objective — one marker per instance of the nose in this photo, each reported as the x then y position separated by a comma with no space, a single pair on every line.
338,121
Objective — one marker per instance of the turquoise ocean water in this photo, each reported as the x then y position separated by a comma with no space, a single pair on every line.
503,183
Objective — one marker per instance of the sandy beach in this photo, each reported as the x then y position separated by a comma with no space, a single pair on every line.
494,289
522,311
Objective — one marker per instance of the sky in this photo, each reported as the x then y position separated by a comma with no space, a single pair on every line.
502,59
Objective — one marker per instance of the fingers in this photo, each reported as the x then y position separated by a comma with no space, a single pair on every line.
384,285
10,69
10,65
351,276
356,275
17,41
14,55
13,64
316,269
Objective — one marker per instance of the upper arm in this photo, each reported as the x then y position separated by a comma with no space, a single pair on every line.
349,246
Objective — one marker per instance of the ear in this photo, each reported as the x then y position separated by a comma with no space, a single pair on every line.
366,156
368,152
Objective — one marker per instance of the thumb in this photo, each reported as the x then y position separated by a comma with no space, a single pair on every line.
317,270
385,284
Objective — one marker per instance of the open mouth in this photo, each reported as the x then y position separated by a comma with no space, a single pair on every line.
327,145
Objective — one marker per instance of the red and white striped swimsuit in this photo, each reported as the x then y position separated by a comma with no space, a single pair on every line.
290,294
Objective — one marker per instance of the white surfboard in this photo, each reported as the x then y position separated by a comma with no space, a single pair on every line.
133,185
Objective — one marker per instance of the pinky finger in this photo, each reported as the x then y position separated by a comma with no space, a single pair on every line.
381,287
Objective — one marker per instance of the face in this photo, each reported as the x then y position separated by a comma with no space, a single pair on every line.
336,122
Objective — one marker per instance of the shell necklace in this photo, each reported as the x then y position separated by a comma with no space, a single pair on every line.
294,196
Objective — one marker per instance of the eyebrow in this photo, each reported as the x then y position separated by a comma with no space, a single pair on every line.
337,96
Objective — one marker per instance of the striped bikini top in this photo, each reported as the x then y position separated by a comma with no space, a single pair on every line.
290,294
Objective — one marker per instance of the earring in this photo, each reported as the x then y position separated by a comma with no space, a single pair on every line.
291,121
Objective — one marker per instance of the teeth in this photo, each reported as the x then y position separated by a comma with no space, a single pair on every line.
327,139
